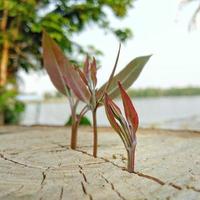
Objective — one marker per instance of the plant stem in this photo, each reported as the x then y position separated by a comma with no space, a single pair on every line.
74,128
95,138
131,159
74,132
75,124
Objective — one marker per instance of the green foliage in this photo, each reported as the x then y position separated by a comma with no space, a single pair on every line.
128,75
61,19
84,121
10,107
157,92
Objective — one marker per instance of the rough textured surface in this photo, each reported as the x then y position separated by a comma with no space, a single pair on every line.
37,163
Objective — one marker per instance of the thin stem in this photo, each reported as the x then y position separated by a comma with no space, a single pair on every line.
111,76
75,123
74,129
131,159
83,111
76,104
95,138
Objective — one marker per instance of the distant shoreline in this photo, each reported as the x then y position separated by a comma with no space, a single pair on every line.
134,93
141,93
170,92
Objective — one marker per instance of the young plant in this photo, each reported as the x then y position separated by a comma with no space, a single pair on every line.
80,85
57,65
76,84
126,126
89,77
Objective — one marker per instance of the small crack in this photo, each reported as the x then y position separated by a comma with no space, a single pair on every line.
85,181
18,163
61,193
60,145
150,177
175,186
155,179
94,163
113,187
85,191
83,188
57,150
44,176
192,188
82,173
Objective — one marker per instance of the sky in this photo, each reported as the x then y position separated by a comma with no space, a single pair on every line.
160,28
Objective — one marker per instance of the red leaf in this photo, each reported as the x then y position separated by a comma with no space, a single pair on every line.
110,114
61,71
93,69
86,66
130,112
82,75
54,61
76,84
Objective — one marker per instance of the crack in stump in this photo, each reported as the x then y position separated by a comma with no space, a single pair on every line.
192,188
44,176
18,163
85,181
61,193
152,178
85,191
82,173
113,187
157,180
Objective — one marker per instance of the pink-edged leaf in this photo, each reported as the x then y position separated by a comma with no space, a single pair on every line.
110,114
61,71
54,61
75,82
114,116
130,112
115,108
82,75
86,67
93,69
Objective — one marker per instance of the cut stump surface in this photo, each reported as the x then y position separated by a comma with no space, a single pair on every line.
36,163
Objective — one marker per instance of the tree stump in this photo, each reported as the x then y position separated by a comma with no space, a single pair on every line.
37,163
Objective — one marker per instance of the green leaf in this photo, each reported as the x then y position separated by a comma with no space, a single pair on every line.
127,76
84,121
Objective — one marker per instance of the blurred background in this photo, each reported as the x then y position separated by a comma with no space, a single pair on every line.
167,93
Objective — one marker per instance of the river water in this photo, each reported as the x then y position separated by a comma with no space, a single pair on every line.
164,112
